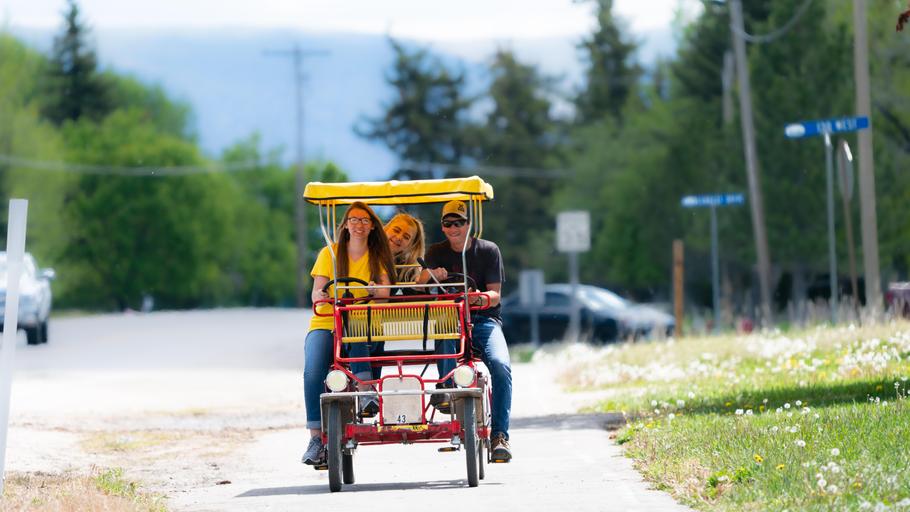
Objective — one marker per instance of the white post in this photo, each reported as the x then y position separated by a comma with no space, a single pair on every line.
15,251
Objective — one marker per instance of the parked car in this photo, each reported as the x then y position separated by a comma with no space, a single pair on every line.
34,298
604,316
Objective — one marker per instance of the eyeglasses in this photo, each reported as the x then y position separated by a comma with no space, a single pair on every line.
363,221
457,223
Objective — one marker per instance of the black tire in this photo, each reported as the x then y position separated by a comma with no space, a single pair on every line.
44,336
32,336
470,441
347,468
333,449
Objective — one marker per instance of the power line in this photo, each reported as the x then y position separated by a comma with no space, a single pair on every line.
487,170
771,36
142,171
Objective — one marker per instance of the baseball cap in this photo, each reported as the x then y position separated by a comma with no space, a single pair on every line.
455,208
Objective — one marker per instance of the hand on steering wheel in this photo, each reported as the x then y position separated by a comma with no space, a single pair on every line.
457,277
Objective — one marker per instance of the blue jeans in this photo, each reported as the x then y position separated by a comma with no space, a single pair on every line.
318,357
489,340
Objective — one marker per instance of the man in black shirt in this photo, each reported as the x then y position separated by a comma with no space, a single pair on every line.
484,266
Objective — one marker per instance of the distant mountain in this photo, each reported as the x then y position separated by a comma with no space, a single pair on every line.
236,89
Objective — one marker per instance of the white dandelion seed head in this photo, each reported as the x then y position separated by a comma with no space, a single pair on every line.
822,483
774,428
680,403
748,412
832,489
787,405
765,401
800,443
799,403
739,412
653,403
671,416
835,452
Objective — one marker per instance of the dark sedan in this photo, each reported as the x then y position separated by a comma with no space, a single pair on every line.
605,317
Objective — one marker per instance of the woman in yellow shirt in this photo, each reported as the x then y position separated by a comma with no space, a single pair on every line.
363,252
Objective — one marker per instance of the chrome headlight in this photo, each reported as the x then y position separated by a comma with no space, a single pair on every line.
336,381
463,376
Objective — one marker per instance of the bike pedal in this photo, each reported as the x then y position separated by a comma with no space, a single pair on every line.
448,449
499,461
323,467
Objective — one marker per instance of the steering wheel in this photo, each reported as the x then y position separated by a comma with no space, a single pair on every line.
345,280
456,277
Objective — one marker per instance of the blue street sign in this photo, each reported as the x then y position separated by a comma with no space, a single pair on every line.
712,200
823,126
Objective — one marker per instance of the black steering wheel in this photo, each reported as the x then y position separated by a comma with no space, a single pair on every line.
345,280
455,278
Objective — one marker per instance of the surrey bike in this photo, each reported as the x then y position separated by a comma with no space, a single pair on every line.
408,326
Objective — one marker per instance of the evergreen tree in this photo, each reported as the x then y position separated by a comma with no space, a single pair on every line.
73,86
519,133
612,74
426,121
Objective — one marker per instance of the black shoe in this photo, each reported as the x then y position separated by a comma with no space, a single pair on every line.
500,450
369,406
442,401
315,452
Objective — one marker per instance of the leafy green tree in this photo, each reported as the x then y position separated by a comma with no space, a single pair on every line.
612,73
73,86
131,236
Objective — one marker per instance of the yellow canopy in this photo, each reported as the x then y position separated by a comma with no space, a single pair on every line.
399,192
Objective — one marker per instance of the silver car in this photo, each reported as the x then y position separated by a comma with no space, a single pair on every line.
34,298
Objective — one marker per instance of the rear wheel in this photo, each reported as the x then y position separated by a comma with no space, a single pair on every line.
470,441
43,337
333,448
480,458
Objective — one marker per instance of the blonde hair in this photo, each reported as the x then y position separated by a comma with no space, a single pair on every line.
414,250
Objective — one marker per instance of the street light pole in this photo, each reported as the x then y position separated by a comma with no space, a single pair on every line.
866,165
752,169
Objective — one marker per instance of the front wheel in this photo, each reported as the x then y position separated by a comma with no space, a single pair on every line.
333,448
470,441
33,335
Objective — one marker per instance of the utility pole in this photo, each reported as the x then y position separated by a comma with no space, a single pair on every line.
300,217
752,170
868,222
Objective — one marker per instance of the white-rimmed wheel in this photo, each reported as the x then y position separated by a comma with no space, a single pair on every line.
470,441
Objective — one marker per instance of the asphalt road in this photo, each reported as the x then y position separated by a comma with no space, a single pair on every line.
229,383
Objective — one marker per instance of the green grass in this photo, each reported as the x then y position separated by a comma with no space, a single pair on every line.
113,483
807,420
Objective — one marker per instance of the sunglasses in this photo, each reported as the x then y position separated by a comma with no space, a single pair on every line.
457,223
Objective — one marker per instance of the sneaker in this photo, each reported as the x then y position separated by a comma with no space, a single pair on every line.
500,451
442,401
315,452
369,406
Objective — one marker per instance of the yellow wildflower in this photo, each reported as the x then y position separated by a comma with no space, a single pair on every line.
780,467
758,458
878,388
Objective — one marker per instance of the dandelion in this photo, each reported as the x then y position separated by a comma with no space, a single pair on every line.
758,458
878,388
748,412
789,414
832,489
817,417
765,401
653,403
680,403
728,404
835,452
780,467
691,395
761,408
774,429
799,403
671,416
857,485
739,412
787,405
806,410
800,443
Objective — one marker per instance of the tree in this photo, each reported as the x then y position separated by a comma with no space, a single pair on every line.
612,74
426,121
73,86
519,132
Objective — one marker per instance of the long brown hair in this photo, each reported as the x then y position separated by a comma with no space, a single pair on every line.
377,246
415,250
